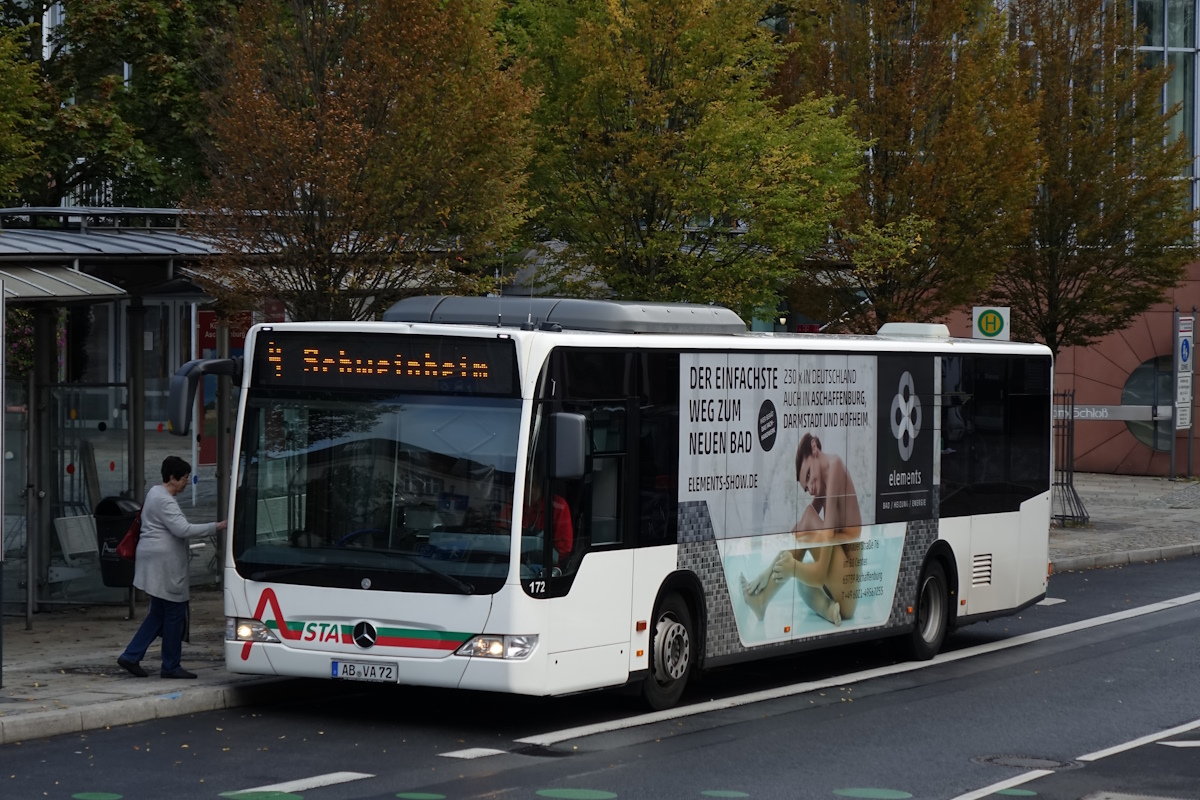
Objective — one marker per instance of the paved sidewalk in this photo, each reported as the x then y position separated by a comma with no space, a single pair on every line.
62,677
1133,520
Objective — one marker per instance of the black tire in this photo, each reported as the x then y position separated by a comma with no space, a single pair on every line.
932,614
672,653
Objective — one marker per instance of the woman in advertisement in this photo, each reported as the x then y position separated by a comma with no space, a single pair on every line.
826,583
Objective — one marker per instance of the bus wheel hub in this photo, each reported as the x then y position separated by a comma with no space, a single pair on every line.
672,650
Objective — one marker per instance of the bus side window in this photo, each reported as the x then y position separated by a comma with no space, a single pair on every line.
995,449
658,447
1028,417
608,460
957,428
989,446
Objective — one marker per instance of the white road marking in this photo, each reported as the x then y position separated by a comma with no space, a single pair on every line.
1153,737
1192,743
301,785
1008,783
473,752
554,737
1051,601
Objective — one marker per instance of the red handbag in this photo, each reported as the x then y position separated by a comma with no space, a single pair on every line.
127,549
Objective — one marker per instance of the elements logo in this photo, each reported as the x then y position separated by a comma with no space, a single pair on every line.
365,635
906,416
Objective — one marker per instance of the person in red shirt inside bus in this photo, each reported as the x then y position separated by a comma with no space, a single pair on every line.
533,519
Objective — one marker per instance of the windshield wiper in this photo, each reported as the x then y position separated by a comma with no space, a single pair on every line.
271,574
462,586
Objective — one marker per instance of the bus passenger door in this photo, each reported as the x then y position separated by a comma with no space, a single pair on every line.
590,588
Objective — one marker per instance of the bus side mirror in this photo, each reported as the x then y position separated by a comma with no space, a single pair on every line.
570,446
183,388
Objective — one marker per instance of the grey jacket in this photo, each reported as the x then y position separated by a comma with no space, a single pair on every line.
161,565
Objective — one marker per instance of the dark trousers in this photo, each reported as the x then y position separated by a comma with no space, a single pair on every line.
166,619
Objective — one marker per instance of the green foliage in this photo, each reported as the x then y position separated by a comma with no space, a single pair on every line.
1111,231
661,165
105,139
18,325
363,151
20,107
934,86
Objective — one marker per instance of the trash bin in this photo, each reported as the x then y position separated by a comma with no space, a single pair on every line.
114,515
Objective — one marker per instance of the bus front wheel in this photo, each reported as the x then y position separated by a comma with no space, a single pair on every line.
932,613
671,653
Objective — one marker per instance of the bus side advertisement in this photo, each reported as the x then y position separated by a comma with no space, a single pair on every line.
807,491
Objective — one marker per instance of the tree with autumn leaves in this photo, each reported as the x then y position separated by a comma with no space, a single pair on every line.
663,170
934,87
1112,227
1018,156
363,151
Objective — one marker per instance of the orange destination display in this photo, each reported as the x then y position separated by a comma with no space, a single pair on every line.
385,362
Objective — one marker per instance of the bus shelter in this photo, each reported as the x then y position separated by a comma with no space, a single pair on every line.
101,312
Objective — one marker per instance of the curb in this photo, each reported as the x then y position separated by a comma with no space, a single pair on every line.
1122,557
43,724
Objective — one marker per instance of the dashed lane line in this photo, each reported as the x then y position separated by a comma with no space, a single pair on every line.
473,752
315,782
1153,737
1096,756
1007,783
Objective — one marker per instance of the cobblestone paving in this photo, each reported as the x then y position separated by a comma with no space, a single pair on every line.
1188,497
1131,513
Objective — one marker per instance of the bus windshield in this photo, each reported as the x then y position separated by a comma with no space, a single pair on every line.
401,493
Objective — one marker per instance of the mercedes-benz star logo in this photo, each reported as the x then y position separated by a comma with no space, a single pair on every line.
365,635
906,416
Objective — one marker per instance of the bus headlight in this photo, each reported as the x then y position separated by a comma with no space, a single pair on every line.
247,630
496,646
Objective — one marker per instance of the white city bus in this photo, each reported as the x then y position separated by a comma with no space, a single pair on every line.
712,495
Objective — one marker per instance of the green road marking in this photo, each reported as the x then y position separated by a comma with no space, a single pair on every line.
722,793
576,794
867,793
261,796
96,796
420,796
1017,792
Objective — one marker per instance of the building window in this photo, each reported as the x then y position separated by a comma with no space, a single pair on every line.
1150,17
1170,36
1150,385
1181,23
1181,89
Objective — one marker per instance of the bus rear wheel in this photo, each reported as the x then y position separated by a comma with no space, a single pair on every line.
932,613
671,653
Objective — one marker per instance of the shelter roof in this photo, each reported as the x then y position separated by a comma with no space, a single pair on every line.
55,285
96,234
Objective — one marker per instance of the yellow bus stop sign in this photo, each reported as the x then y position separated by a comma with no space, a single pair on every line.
990,322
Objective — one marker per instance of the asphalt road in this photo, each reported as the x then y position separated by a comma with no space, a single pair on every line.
1046,690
